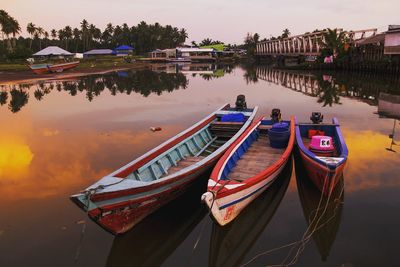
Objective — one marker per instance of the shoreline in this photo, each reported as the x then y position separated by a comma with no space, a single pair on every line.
27,76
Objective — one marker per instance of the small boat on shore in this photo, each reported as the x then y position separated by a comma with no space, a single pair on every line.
52,68
123,198
323,151
249,166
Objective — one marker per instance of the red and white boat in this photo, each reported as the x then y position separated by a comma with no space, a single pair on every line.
121,199
49,68
249,167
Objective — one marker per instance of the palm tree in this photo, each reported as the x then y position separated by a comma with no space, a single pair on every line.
53,33
334,41
4,19
46,37
7,27
106,36
84,29
38,34
68,35
286,33
61,35
206,41
19,98
15,29
77,35
31,29
3,97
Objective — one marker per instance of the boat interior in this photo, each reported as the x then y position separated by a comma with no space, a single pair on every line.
254,155
193,149
308,130
320,138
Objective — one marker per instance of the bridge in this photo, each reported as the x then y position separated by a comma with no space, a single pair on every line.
309,44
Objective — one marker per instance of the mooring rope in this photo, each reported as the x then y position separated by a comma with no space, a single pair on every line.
307,234
214,193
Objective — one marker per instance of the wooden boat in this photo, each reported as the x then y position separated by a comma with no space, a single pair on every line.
156,237
247,169
230,244
325,210
323,151
121,199
48,68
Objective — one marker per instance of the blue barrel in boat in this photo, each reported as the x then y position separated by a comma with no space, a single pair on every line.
279,135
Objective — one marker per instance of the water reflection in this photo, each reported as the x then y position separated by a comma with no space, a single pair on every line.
229,244
329,89
144,82
323,214
157,236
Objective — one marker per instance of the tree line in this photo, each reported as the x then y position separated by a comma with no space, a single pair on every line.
143,37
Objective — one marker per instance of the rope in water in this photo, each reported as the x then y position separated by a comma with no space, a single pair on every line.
306,237
214,193
88,193
307,234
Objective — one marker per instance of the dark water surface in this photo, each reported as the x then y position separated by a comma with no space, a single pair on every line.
58,137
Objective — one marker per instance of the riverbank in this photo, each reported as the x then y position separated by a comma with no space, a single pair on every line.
24,75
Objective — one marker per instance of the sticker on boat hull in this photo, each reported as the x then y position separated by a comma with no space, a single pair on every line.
330,160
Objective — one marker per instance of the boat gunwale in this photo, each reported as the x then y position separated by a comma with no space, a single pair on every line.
306,152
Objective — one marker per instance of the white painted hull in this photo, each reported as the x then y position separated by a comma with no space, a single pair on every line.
227,208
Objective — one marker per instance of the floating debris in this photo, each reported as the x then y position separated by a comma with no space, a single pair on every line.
81,222
64,228
155,129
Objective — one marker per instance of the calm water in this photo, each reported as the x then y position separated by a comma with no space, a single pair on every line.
58,137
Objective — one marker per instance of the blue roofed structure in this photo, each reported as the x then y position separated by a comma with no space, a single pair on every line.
123,50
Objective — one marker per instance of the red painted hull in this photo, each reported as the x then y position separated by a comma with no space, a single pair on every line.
55,68
40,71
323,178
62,67
120,218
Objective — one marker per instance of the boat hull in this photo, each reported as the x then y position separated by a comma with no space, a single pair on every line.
64,66
324,178
121,217
226,209
52,68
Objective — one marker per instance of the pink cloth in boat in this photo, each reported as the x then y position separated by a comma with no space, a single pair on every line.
321,143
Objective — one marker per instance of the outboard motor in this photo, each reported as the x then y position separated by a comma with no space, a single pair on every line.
316,117
241,102
276,115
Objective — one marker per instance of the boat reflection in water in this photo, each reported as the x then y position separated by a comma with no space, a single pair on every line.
155,238
323,215
230,243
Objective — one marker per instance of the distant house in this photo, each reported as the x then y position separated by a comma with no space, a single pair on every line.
159,54
123,50
98,52
371,48
392,40
200,54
